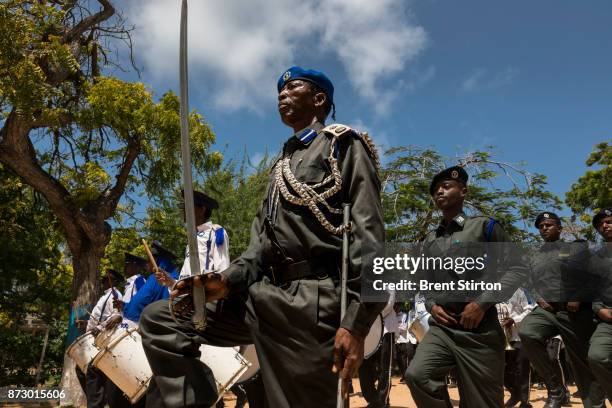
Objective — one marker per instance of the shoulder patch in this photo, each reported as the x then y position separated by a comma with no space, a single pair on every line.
337,129
219,236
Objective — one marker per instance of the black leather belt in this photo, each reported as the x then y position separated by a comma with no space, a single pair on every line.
314,268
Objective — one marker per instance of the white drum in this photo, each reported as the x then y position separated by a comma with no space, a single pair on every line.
226,364
124,362
106,336
374,338
83,350
250,355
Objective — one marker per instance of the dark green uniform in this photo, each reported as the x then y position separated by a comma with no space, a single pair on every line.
560,275
478,354
600,350
285,291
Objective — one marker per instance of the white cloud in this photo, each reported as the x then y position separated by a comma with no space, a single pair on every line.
239,48
481,80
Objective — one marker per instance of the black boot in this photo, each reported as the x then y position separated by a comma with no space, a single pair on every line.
555,397
567,396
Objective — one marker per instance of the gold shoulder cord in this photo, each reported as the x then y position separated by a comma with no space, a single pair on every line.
306,195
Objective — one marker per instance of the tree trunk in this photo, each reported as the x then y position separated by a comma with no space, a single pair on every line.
86,258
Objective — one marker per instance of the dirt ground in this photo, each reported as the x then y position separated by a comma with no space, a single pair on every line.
400,397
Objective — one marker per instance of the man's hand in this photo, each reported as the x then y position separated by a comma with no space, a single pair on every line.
113,322
164,278
442,316
545,305
605,315
348,356
472,315
573,306
95,331
215,285
118,304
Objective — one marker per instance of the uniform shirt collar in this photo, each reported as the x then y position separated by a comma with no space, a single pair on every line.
308,134
107,291
458,221
132,278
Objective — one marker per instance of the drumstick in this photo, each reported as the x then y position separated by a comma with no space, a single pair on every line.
110,282
150,255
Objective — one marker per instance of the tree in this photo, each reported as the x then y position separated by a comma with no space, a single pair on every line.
504,191
86,142
593,190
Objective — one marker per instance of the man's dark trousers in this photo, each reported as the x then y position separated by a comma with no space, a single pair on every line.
293,329
575,329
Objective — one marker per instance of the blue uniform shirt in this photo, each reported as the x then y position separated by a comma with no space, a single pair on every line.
150,292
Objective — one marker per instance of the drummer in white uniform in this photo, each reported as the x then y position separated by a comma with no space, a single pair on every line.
97,384
213,242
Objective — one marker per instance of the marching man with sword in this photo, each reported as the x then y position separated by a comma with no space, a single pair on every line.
283,294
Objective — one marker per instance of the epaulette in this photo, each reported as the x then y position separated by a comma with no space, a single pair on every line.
219,234
338,129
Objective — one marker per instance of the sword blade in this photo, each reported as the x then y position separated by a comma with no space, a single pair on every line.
199,317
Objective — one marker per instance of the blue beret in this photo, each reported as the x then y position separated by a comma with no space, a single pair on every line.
546,215
316,77
451,173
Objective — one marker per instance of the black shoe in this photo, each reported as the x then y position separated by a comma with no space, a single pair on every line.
553,402
525,405
566,400
512,402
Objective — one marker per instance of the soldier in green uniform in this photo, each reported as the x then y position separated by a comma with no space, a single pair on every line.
562,289
283,292
463,335
600,350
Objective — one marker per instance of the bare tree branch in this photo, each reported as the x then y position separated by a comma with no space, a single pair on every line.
91,21
108,205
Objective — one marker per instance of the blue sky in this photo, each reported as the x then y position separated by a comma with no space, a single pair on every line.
533,79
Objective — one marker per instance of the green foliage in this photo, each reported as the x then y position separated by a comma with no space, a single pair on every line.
28,41
593,190
123,239
100,143
239,192
503,191
34,282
